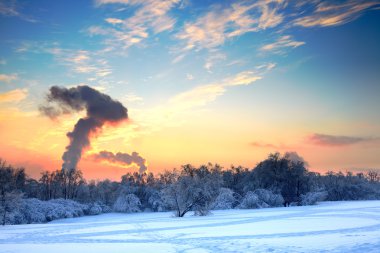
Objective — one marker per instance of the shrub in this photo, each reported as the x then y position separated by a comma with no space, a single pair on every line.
311,198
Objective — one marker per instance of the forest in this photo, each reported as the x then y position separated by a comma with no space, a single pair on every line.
277,181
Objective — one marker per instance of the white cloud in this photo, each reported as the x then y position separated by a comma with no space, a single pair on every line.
218,25
114,21
204,94
189,76
11,9
212,60
283,42
132,98
81,61
13,96
328,14
151,16
8,78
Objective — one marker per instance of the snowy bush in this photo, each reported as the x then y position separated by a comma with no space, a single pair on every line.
225,199
106,209
250,201
36,211
156,202
94,209
261,198
268,198
312,198
127,203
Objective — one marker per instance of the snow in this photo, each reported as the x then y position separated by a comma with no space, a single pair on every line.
352,226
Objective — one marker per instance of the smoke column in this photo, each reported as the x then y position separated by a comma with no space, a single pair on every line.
122,158
100,109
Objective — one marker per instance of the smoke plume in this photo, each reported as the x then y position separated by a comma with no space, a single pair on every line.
122,158
100,109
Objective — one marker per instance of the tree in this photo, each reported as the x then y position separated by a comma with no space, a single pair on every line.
226,199
283,174
127,203
10,201
12,181
193,189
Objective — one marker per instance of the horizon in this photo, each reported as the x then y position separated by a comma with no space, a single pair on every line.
226,82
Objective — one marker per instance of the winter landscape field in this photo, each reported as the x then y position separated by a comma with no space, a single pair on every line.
351,226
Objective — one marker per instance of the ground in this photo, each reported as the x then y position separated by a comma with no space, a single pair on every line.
352,226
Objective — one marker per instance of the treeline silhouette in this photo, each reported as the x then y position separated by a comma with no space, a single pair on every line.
279,180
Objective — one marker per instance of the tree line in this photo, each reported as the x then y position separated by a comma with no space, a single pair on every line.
279,180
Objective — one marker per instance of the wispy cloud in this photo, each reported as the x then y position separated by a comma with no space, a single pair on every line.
338,140
12,9
150,17
218,25
13,96
189,76
268,145
329,14
7,78
114,21
76,60
132,98
282,43
212,59
82,61
204,94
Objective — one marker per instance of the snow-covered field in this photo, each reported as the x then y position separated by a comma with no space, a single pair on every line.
328,227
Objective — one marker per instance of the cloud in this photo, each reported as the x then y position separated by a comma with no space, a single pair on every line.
218,25
328,14
212,60
338,140
8,78
81,61
114,21
3,62
76,60
267,145
12,96
11,9
132,98
283,42
198,96
189,76
150,16
204,94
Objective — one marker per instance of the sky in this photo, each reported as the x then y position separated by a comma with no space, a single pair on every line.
225,82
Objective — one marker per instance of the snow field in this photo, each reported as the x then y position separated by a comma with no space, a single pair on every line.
352,226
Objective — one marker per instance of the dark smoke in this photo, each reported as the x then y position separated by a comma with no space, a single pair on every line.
122,158
100,109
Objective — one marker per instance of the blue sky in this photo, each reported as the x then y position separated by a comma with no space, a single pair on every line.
258,76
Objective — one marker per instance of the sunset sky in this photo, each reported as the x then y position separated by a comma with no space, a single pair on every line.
225,82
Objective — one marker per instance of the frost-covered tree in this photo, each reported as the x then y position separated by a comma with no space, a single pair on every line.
312,198
250,201
261,198
225,200
10,203
193,189
127,203
268,199
285,174
156,202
